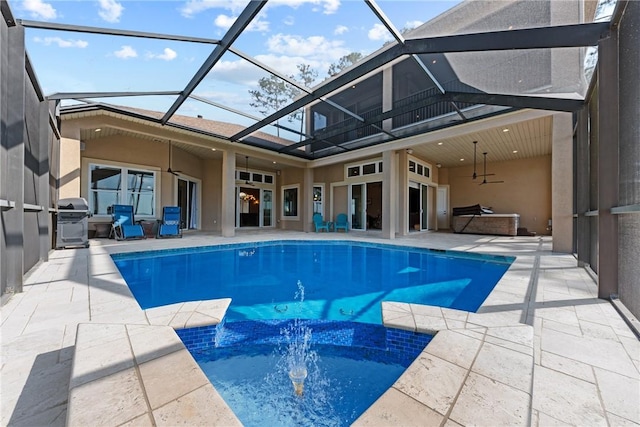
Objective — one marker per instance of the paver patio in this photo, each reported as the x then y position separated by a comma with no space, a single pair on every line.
542,350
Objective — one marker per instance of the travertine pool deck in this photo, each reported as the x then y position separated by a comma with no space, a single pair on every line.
542,350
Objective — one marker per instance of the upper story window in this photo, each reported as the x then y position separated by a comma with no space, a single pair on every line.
257,177
109,185
418,168
370,167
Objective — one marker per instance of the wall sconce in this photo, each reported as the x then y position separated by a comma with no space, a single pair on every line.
242,195
409,150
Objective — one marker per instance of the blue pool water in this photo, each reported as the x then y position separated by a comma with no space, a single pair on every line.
342,280
353,364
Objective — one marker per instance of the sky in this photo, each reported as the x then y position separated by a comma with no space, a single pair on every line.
285,33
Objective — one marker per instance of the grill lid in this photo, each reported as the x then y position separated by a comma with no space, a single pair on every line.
73,203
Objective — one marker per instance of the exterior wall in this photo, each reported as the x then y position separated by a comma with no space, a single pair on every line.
145,153
211,195
70,161
332,201
527,194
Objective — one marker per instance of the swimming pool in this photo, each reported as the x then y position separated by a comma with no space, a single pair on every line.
342,280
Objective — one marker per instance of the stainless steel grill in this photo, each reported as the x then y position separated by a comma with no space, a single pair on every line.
72,223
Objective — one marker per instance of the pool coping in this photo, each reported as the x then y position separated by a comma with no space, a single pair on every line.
138,361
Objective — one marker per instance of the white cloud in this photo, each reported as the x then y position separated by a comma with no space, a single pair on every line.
328,7
259,25
39,9
289,20
379,33
60,42
331,6
166,55
193,7
110,10
225,22
413,24
340,29
126,52
247,75
314,46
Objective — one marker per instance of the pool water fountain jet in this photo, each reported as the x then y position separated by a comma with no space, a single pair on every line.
298,337
220,333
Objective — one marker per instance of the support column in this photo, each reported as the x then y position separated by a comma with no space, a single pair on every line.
228,193
403,193
608,103
307,200
582,187
562,183
13,219
42,182
389,194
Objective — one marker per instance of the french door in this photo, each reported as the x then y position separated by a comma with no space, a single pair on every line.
188,202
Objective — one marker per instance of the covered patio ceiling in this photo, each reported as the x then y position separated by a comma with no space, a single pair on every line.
524,136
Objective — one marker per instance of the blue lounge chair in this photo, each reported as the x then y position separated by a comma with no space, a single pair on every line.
124,226
320,223
170,225
341,223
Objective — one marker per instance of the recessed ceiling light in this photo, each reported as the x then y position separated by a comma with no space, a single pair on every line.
462,160
434,61
274,163
440,143
98,130
514,151
505,130
213,149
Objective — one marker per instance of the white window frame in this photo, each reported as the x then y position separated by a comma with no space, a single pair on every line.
320,202
283,216
123,194
422,177
360,165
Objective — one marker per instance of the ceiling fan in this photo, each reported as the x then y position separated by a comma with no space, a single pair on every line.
475,148
475,172
484,175
170,158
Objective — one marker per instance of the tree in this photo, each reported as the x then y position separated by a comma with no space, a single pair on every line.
271,95
306,76
344,62
274,93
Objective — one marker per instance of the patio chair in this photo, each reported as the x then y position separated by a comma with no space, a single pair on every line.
319,223
341,223
124,226
170,225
